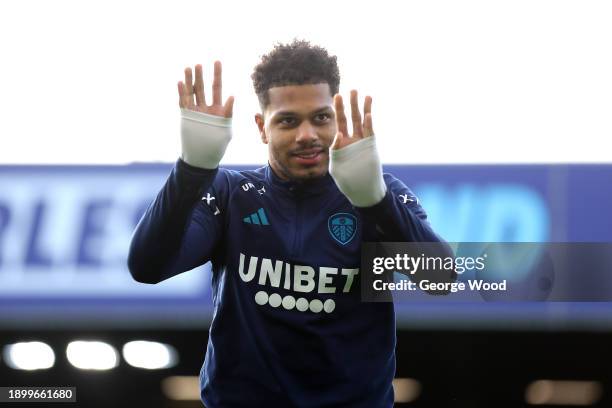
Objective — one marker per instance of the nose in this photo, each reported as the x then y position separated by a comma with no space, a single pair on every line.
306,133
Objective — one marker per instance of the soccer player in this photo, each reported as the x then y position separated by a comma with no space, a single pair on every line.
289,328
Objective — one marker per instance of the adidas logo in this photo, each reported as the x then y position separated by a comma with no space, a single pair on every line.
258,218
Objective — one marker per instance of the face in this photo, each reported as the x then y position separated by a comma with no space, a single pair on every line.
298,125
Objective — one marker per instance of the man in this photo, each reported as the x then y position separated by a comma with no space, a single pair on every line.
289,328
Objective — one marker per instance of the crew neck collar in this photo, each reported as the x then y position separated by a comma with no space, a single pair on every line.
313,186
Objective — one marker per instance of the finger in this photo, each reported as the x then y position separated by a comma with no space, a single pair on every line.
199,87
337,143
340,117
228,108
367,125
217,84
184,102
367,112
181,95
367,105
356,115
189,86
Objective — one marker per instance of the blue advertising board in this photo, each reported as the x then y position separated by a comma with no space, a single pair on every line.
65,233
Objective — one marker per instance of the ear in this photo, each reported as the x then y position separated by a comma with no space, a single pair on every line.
259,120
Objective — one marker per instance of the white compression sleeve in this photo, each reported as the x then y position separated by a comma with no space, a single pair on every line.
357,171
204,138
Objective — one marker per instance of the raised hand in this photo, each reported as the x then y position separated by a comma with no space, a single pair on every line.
354,163
361,129
206,130
188,89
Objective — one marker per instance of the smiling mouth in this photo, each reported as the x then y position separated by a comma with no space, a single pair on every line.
308,155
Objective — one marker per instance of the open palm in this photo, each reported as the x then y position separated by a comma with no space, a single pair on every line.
360,129
188,89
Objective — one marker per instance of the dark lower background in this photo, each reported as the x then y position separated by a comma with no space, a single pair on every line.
454,368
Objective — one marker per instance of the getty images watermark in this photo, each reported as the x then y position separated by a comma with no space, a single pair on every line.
409,265
485,271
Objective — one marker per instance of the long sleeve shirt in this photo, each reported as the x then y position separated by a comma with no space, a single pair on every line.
289,328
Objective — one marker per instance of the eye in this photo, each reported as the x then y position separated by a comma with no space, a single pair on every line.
287,121
322,117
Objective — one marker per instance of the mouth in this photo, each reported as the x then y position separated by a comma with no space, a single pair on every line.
309,157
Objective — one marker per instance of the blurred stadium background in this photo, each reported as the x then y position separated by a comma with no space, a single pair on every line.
70,314
473,82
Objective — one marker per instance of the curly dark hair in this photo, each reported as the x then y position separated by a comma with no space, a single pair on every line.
297,63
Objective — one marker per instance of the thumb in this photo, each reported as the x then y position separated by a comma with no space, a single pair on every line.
228,108
337,143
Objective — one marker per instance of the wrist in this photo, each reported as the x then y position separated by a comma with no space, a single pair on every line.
357,171
204,138
205,118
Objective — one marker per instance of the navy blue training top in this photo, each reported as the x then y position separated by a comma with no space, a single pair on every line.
289,328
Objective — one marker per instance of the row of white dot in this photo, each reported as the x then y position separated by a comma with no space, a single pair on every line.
289,302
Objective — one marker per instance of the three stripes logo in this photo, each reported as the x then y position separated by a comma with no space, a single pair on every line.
257,218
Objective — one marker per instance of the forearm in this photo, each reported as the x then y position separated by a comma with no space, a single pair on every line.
357,171
157,251
157,239
204,138
392,221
